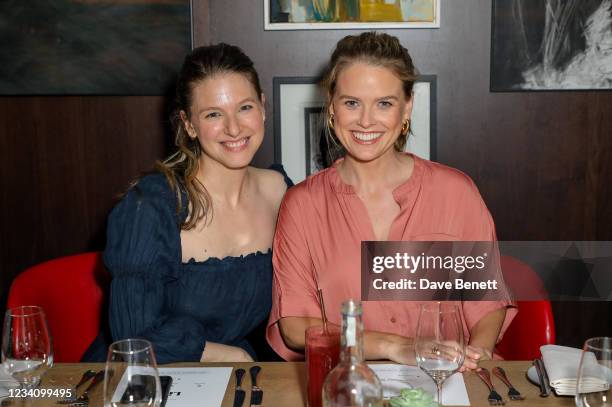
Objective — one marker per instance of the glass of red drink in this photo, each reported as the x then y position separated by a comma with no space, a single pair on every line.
322,354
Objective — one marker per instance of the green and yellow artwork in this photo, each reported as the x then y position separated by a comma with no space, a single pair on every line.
313,14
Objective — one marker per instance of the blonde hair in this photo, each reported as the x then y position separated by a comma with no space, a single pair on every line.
378,49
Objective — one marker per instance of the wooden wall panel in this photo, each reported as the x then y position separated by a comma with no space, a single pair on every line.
64,161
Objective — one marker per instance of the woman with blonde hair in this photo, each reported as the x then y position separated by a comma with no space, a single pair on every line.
374,192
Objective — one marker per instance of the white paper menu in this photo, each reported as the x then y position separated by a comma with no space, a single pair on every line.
191,386
394,378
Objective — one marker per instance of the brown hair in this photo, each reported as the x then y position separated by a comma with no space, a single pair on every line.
181,167
378,49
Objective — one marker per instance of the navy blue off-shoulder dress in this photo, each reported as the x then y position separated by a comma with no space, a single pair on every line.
176,306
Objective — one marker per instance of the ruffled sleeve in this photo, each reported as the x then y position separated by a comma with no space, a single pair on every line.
143,255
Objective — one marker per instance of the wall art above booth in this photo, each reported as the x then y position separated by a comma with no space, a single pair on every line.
551,45
350,14
92,47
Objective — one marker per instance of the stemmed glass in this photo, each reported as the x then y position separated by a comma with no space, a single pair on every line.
595,373
131,377
27,349
439,345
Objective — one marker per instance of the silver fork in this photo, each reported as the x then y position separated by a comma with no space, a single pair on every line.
83,400
86,376
84,379
494,398
513,393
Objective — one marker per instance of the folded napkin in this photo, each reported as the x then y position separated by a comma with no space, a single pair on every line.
561,363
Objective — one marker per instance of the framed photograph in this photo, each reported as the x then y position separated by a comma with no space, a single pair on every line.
350,14
300,143
551,45
314,136
93,47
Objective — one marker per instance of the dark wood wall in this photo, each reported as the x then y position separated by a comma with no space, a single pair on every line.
64,161
542,161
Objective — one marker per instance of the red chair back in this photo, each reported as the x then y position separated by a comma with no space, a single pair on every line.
71,290
534,324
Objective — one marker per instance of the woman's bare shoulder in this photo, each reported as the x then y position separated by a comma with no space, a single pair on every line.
270,183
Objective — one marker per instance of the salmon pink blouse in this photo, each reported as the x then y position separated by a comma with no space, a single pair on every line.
318,238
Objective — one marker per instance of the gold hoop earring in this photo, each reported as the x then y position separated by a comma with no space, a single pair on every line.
330,121
405,127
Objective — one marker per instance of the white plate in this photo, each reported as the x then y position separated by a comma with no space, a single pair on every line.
532,375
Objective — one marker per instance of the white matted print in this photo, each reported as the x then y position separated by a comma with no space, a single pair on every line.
298,123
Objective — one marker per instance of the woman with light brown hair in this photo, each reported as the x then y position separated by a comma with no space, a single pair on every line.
188,247
376,191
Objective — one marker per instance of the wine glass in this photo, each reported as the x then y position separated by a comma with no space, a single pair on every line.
439,346
131,377
595,373
27,349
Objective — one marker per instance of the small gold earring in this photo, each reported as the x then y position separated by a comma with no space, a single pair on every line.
405,127
330,121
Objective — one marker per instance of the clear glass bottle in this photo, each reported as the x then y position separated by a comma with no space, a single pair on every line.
352,383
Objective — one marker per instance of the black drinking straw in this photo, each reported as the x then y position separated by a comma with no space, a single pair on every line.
323,316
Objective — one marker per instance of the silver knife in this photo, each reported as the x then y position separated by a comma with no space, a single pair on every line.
544,384
545,375
256,392
239,394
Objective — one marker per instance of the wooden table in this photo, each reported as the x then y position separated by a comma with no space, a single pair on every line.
284,385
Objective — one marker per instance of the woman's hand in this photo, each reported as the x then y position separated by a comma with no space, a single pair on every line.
473,355
218,352
483,337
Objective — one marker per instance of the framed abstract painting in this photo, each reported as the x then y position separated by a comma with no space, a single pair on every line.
551,45
350,14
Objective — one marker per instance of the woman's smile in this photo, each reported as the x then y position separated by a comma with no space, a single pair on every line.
366,138
236,146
